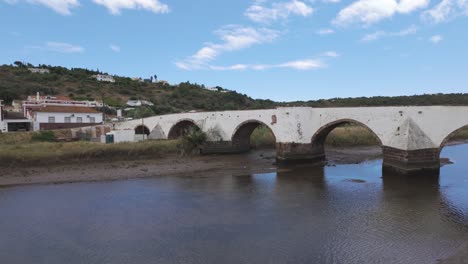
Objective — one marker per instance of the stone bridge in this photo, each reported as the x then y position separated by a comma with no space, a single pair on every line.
411,137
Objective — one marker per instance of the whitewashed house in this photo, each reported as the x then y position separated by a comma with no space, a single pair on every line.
61,117
39,70
137,103
104,78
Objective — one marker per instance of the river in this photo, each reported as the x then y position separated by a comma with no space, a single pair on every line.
334,214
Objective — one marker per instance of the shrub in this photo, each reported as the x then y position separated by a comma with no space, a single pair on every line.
190,142
44,136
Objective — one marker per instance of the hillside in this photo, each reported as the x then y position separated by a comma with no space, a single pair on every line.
17,82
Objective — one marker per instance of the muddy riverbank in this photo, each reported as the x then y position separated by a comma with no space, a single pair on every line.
257,161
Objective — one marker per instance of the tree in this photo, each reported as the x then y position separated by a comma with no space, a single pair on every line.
19,64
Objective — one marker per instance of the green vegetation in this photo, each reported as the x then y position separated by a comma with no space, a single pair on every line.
262,137
192,139
349,136
17,82
37,153
44,136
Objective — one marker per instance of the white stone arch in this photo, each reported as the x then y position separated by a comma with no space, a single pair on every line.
180,126
450,136
241,135
319,137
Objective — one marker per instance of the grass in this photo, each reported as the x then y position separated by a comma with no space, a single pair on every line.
44,153
351,136
262,137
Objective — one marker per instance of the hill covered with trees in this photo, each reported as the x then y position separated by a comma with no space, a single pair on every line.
17,82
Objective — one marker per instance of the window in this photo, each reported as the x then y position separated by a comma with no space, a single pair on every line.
51,119
79,120
92,120
67,119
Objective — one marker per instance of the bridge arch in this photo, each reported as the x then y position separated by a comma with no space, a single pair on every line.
142,130
453,135
320,137
181,127
243,132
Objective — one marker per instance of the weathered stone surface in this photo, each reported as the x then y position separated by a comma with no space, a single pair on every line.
409,129
297,153
411,160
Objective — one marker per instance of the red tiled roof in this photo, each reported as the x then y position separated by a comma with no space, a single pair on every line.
67,109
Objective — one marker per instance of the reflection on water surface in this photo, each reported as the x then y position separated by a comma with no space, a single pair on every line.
342,214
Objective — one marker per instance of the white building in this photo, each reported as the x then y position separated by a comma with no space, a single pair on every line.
137,103
13,121
38,101
104,78
39,70
2,123
213,89
61,117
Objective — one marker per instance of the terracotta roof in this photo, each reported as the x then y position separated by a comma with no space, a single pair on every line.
67,109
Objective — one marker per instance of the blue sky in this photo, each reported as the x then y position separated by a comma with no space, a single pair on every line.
281,49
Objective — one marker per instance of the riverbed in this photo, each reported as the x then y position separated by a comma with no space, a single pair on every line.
248,212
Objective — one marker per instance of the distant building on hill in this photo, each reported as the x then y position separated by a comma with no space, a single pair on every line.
39,70
104,78
137,103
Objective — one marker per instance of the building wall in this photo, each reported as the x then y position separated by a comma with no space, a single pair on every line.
41,120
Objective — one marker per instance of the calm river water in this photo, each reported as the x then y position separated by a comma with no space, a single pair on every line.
342,214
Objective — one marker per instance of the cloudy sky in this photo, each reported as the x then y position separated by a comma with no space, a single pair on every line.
279,49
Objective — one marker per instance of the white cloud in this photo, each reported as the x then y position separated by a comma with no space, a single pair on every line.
445,10
115,6
436,39
62,7
58,47
302,65
381,34
114,48
257,12
371,11
331,54
234,37
325,31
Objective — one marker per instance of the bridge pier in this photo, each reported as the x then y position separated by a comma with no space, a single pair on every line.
298,153
411,161
223,147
